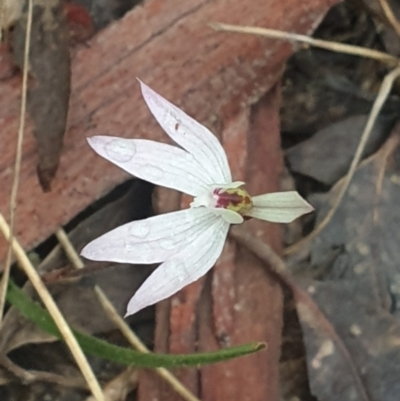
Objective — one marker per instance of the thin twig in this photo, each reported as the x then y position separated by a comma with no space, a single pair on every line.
69,249
376,108
55,313
114,316
322,44
120,386
33,376
390,16
263,251
18,157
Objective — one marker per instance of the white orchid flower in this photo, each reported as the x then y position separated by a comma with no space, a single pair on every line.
187,243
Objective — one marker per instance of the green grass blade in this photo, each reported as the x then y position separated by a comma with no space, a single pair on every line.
100,348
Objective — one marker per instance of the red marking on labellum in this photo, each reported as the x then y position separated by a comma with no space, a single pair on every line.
225,199
236,199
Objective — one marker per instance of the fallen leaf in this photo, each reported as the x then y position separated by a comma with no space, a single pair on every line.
48,94
366,226
367,367
358,356
327,155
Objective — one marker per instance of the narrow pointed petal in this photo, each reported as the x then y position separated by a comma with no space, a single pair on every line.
158,163
182,269
151,240
191,135
279,207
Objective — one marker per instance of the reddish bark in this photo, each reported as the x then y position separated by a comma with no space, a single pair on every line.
170,46
214,76
240,303
256,306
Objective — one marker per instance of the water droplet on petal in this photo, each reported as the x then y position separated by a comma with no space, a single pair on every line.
120,151
128,246
150,172
168,244
146,250
143,252
181,272
140,229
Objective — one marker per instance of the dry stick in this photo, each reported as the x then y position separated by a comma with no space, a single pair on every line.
390,16
114,316
121,385
69,249
18,157
262,250
376,108
55,313
33,376
322,44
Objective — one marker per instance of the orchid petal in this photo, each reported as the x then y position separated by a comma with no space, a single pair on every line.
151,240
191,135
182,269
279,207
156,162
231,185
230,216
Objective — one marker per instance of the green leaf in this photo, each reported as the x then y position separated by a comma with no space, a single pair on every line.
126,356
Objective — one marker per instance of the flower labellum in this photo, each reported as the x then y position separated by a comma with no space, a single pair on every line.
187,243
